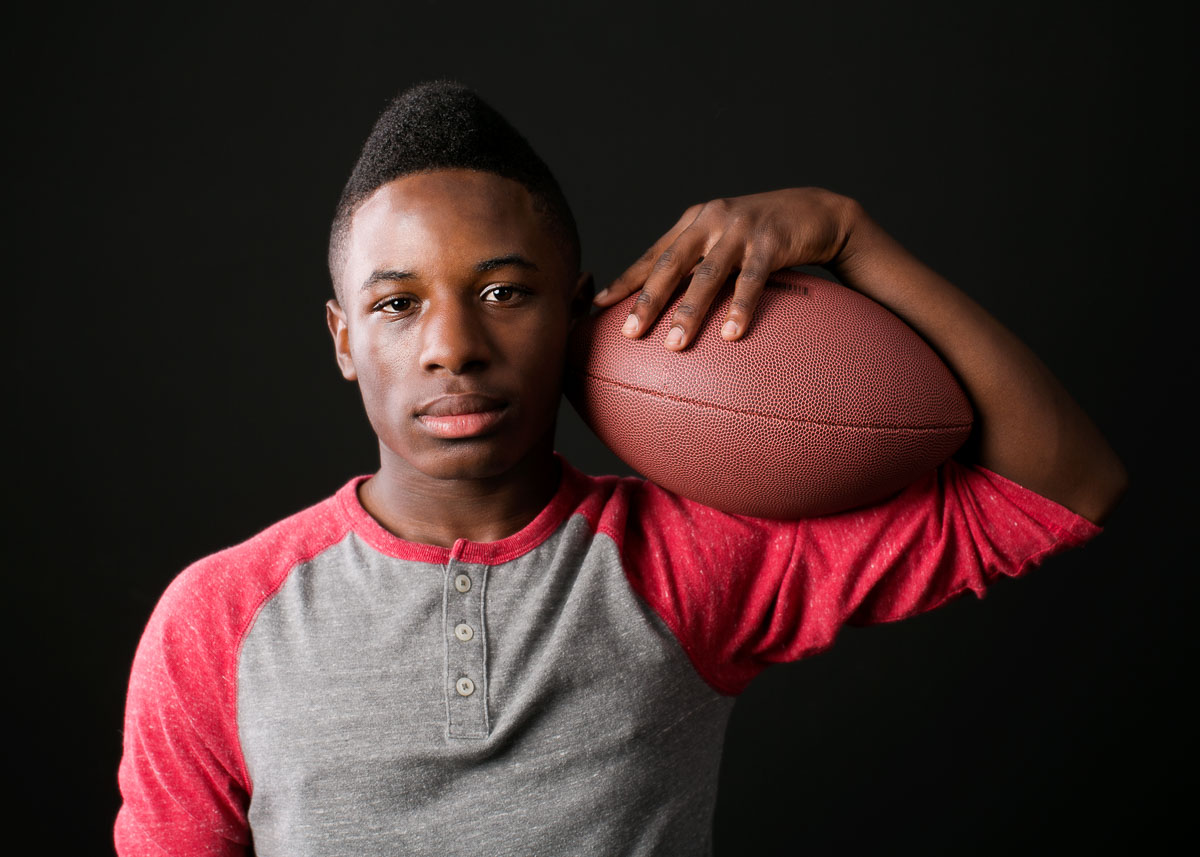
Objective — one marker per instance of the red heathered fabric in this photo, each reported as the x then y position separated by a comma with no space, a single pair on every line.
741,593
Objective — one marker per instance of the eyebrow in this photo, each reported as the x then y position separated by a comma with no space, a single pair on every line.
387,275
510,260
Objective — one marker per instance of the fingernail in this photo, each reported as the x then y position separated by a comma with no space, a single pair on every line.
730,330
631,325
675,337
601,295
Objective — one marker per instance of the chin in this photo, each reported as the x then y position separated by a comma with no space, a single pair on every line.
467,464
481,458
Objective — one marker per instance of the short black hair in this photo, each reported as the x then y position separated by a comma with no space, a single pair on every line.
444,125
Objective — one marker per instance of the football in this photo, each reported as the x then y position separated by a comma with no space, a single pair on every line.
828,402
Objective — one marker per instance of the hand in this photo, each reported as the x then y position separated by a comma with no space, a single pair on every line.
754,235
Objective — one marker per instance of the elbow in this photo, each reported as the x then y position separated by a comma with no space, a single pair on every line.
1106,486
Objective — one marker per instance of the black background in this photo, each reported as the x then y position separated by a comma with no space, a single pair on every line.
174,390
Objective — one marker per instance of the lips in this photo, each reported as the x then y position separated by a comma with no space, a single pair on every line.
461,415
460,403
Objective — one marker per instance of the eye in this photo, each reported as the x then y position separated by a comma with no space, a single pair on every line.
503,294
395,306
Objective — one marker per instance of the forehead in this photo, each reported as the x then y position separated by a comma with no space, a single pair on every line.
438,222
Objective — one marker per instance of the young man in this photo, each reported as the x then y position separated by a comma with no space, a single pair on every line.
479,649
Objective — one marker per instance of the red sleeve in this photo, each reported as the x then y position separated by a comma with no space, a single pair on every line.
741,593
184,786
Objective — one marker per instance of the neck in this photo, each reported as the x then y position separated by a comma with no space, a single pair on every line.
420,508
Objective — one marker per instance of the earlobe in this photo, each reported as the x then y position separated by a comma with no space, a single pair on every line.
335,318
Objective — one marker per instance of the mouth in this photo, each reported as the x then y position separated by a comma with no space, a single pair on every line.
462,415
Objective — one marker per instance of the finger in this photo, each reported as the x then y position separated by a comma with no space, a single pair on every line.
709,277
635,275
665,274
747,292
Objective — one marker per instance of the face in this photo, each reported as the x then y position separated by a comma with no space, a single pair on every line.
455,305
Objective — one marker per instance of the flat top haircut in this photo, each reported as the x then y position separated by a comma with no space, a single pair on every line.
444,125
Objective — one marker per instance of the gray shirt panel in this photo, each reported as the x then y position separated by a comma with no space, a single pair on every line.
581,727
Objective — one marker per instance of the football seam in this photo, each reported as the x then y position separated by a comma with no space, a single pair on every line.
746,412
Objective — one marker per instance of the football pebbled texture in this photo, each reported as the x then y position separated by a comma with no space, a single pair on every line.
827,403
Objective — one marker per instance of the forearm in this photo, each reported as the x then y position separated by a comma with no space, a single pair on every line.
1029,428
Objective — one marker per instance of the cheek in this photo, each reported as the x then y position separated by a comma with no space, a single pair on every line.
543,361
380,370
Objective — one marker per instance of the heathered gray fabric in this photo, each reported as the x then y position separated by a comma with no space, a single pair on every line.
588,731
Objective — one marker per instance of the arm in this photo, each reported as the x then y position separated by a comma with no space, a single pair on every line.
1030,430
183,782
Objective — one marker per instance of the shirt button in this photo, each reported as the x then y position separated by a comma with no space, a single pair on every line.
462,583
464,632
464,686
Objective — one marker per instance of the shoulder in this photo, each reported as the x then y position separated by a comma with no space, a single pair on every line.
181,741
671,546
215,599
618,506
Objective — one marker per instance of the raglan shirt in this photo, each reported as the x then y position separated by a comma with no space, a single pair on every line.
328,688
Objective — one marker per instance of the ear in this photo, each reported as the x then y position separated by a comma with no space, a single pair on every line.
335,317
581,298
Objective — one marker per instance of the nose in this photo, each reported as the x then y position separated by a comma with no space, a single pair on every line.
453,338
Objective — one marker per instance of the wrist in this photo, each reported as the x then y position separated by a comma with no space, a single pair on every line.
856,230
